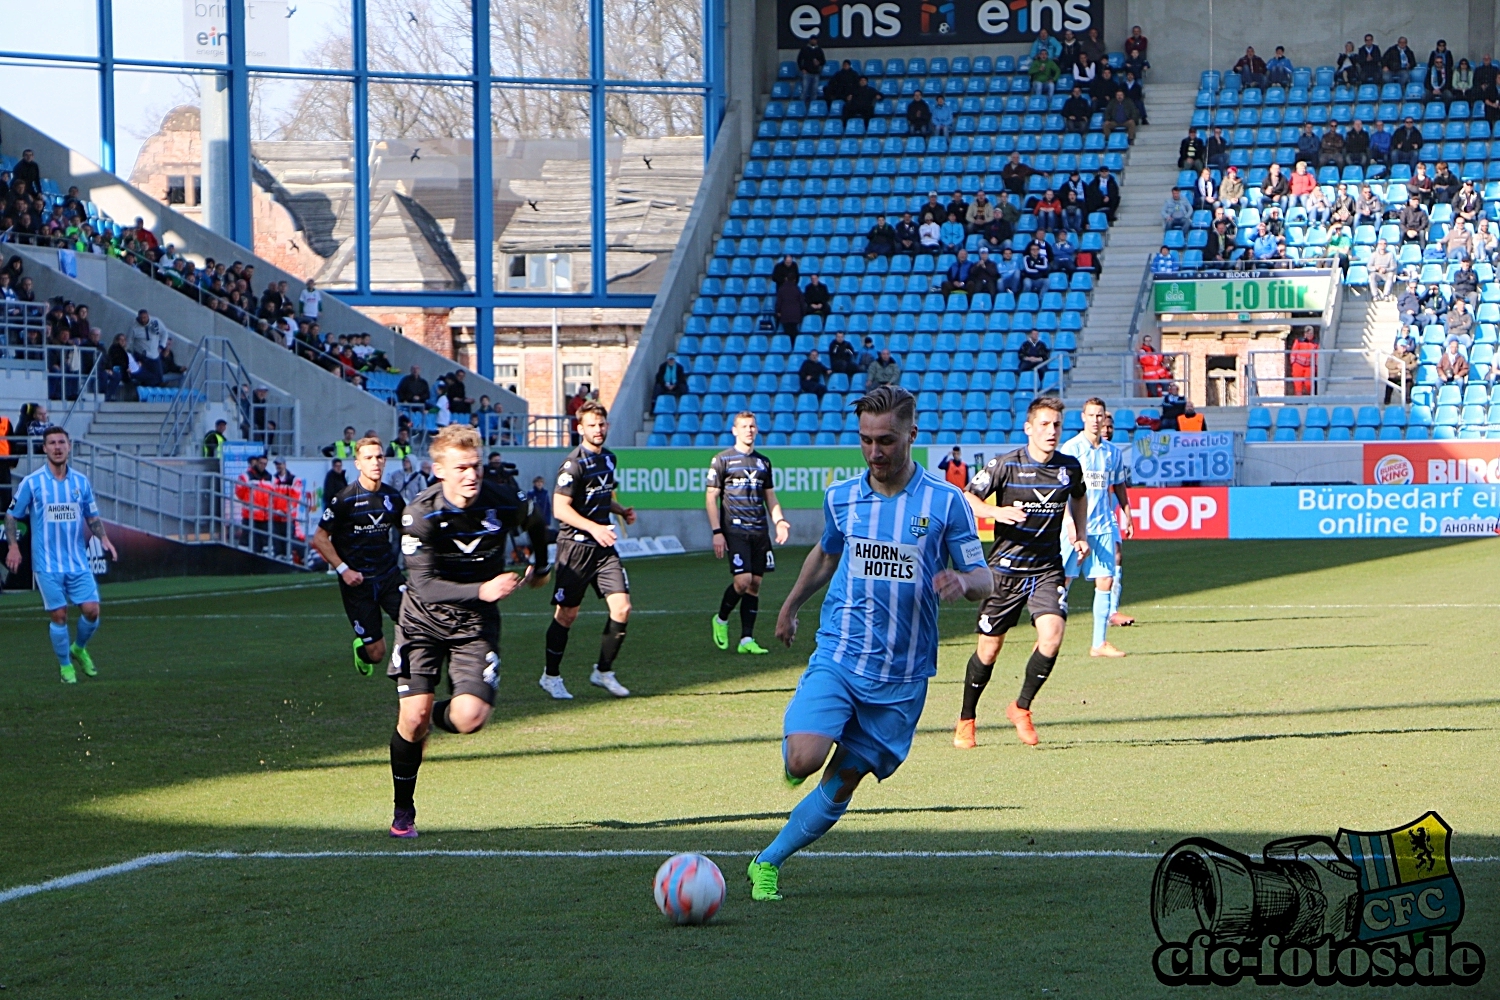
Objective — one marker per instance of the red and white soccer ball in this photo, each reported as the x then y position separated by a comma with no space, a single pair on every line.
689,889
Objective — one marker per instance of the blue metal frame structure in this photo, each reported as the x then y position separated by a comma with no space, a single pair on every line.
485,297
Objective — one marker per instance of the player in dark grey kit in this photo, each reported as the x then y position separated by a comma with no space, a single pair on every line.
356,536
1035,487
586,556
453,536
740,500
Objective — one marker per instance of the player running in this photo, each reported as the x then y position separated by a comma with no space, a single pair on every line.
1035,487
586,555
1117,620
60,504
739,481
356,538
453,536
887,536
1105,475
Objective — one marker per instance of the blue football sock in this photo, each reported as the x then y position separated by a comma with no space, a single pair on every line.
86,630
817,812
60,643
1114,591
1101,616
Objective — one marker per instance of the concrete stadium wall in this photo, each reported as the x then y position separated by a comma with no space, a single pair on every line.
124,203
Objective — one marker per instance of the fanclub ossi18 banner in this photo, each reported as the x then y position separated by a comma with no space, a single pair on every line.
931,22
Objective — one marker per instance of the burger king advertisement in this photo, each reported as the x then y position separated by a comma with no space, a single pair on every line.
1439,463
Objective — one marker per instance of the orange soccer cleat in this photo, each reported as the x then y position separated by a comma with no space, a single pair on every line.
1106,649
1021,719
963,735
1118,620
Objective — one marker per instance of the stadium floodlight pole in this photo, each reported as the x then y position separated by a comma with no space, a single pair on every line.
361,150
599,167
106,29
484,194
241,226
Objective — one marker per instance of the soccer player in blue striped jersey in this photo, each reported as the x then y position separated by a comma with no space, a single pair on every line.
1034,487
1105,475
887,537
1116,619
60,504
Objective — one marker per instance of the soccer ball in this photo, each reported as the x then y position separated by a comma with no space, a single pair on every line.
689,889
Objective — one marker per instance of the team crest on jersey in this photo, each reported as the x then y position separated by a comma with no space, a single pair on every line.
564,479
491,520
388,503
919,525
1062,477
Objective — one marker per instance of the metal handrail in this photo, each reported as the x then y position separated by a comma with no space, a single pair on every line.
1265,370
1146,292
215,374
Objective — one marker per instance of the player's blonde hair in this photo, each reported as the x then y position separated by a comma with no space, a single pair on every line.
455,437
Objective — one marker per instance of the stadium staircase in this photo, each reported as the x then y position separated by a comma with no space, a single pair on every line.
1103,361
1364,325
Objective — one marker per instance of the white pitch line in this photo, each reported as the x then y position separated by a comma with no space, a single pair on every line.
1284,607
168,857
189,596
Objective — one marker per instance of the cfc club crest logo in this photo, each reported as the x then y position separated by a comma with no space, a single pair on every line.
919,525
1360,909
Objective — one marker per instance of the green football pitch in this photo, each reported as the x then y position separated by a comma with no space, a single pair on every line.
1272,690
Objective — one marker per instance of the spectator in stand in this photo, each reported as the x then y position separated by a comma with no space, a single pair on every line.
145,342
790,307
1010,273
1275,189
1452,367
1380,143
1103,195
1414,222
1103,88
841,355
1485,73
1489,94
952,234
1014,175
1368,61
1460,323
861,101
908,238
1264,244
1406,143
1048,212
1231,190
1220,241
842,83
145,237
1085,71
810,62
1218,149
1439,82
1192,152
1308,144
1301,183
1445,184
786,270
1400,62
1482,248
1401,365
413,389
335,482
1340,245
1177,213
1048,43
981,210
1251,68
1136,94
1164,262
1044,72
1035,268
311,300
1033,353
1434,307
344,447
1279,69
1421,185
28,170
815,298
866,355
1463,80
1382,268
1356,144
1064,254
1205,195
919,116
671,380
1077,110
1456,242
984,276
942,117
1316,205
1135,52
882,371
880,241
1072,209
933,210
813,375
1121,113
930,237
1072,48
957,278
117,370
1093,47
1409,303
1465,284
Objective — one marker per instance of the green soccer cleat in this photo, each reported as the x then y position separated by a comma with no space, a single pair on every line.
791,780
750,646
721,633
366,669
764,879
69,675
84,660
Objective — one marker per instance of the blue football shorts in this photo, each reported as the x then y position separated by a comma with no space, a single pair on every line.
61,589
1099,562
873,720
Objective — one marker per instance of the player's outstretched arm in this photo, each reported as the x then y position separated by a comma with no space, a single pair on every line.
817,569
973,585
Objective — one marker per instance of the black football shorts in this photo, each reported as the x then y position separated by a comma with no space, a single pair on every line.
1044,593
580,566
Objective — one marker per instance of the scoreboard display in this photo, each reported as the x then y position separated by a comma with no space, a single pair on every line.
1241,295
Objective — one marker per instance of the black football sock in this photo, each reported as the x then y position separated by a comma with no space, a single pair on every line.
1037,669
440,716
727,603
557,645
749,608
363,651
406,757
609,645
976,677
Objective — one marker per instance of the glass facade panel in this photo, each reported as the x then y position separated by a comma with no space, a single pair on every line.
655,164
542,194
25,33
302,139
653,39
172,140
62,101
542,38
318,34
420,36
421,199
